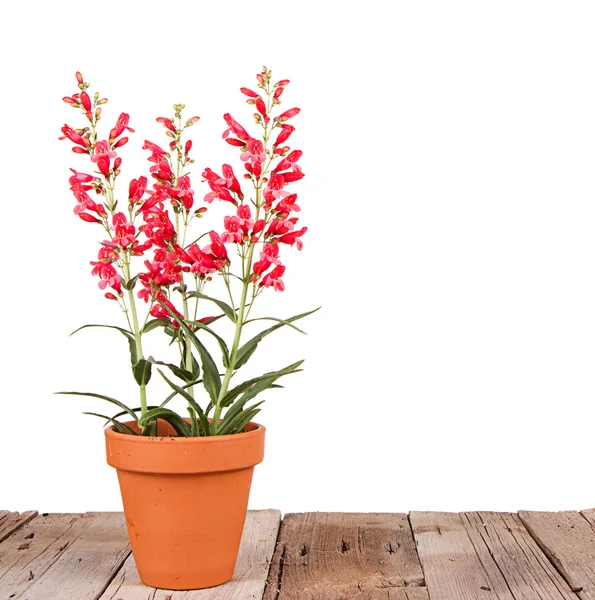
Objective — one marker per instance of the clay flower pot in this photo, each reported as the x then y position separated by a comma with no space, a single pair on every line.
185,502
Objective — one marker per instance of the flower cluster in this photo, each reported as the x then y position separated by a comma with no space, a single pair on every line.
152,225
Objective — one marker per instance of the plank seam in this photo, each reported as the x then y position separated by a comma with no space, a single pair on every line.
549,555
113,576
421,564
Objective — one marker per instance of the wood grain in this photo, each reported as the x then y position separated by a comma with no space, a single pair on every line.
568,540
63,557
528,572
256,550
338,556
11,521
455,569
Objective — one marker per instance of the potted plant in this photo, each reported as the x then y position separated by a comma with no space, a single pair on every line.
185,479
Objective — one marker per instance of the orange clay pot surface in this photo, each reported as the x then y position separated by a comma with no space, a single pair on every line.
185,502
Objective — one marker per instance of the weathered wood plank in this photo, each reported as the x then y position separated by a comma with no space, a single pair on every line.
454,568
30,552
334,556
568,540
63,557
528,573
11,521
256,549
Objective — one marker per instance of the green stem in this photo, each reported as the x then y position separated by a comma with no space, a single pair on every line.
188,357
137,336
246,271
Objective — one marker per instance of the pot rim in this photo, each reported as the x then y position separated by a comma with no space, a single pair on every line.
253,431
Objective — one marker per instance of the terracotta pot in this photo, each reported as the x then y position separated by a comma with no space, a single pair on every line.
185,502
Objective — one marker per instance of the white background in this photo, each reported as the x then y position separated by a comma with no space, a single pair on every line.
449,151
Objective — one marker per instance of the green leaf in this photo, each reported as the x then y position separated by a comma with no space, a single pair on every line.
201,415
137,409
278,321
262,383
220,340
194,432
120,427
227,310
102,397
183,374
174,394
142,371
239,420
153,324
210,374
181,427
129,285
247,350
125,332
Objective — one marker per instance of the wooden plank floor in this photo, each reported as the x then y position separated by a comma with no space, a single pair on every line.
319,556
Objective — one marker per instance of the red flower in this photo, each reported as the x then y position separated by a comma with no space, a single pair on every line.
254,156
273,279
249,92
183,192
293,237
102,157
167,123
292,112
136,189
235,128
86,101
121,125
286,131
261,106
76,137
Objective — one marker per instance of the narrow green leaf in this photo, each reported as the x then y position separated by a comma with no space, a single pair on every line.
120,427
248,415
210,374
201,415
174,394
278,321
227,310
137,409
102,397
127,334
142,371
153,324
239,421
247,350
193,422
220,340
181,427
179,372
129,285
268,379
